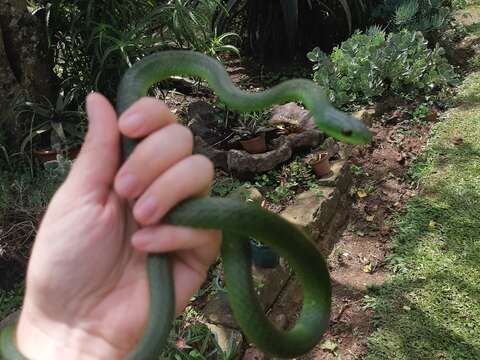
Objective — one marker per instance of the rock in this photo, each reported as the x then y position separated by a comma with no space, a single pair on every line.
10,320
247,193
331,146
458,54
366,116
270,283
227,339
217,311
307,123
291,114
303,212
306,139
253,354
322,216
218,157
242,162
340,176
201,119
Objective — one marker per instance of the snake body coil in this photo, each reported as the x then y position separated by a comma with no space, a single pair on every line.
238,221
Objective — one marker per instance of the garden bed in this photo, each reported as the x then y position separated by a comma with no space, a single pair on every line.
350,213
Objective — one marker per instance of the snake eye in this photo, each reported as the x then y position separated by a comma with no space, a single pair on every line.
347,132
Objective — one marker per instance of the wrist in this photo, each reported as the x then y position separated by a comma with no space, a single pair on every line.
38,338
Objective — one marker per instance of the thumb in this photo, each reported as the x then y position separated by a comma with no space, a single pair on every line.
94,169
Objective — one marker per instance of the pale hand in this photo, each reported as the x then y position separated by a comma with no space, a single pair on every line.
87,289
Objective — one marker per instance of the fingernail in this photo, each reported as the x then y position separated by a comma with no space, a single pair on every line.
145,209
127,184
131,122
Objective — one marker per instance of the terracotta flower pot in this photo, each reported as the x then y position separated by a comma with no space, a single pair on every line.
321,164
256,145
50,154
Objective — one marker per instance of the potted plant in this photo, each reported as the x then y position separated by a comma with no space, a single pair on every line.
252,134
320,163
263,256
55,129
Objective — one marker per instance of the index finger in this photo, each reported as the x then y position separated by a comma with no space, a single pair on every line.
144,117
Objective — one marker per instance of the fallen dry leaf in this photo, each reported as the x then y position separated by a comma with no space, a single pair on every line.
368,268
361,194
329,345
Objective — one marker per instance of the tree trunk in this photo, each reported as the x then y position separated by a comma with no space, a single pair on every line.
24,70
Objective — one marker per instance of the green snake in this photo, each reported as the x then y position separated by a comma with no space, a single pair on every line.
238,221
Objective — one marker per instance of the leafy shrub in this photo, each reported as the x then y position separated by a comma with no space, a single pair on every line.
92,43
280,186
373,64
11,300
224,185
416,15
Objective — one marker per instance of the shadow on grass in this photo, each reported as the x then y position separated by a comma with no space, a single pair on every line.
431,308
408,332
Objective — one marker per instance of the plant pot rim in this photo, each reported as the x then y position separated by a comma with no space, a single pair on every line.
50,154
44,151
256,145
323,155
258,244
253,139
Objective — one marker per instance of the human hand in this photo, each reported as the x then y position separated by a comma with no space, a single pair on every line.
86,289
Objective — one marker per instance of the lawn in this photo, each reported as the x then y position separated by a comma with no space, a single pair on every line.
430,308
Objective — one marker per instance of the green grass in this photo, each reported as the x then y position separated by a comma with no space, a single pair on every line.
430,309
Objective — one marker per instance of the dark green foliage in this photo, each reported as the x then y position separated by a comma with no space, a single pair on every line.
416,15
224,185
53,125
94,42
277,30
281,186
372,64
192,340
11,300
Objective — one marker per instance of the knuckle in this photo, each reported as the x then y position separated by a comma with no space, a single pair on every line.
204,162
182,133
147,100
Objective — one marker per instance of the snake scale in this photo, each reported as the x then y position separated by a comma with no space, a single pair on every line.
238,221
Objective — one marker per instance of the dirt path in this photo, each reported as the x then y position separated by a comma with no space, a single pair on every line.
357,260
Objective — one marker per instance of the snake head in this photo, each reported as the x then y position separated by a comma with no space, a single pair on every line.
344,127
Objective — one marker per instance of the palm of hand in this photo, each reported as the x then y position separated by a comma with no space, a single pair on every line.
107,293
98,277
85,276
